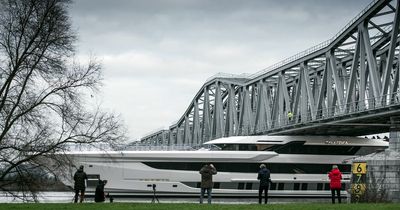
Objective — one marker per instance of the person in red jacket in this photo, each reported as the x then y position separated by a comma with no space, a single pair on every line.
335,184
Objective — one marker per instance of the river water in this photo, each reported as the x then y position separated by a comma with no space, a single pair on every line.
67,197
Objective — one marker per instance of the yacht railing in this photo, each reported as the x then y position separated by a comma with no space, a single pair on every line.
148,147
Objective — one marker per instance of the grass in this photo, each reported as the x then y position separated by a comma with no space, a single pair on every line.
147,206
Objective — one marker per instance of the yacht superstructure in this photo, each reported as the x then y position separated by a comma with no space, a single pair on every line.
298,164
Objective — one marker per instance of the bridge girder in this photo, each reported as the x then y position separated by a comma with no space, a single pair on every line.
352,78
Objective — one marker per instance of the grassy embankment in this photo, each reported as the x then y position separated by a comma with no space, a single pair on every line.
141,206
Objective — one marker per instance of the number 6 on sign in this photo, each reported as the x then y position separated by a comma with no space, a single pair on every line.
359,168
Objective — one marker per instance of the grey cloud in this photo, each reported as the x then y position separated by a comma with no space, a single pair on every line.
158,53
152,21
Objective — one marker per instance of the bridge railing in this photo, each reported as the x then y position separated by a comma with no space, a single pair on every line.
231,76
306,52
353,108
315,48
301,54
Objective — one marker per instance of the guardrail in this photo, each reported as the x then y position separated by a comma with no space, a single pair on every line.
301,54
332,112
315,48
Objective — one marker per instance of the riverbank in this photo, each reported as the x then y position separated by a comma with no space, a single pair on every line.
169,206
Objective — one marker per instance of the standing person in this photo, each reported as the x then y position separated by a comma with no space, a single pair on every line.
207,171
99,195
79,178
290,116
264,175
335,177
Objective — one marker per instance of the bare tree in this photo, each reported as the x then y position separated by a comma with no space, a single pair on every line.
42,91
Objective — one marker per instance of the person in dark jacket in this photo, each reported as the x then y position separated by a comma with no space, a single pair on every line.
79,178
207,171
264,175
99,195
335,184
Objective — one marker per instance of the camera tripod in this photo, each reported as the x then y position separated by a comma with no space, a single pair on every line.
154,195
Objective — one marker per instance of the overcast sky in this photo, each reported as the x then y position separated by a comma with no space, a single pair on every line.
157,53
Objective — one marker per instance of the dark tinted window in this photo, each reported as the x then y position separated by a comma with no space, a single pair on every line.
304,186
249,186
298,147
272,186
251,167
319,186
296,186
216,185
327,187
238,147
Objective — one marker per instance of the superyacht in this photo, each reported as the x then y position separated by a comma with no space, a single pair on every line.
298,165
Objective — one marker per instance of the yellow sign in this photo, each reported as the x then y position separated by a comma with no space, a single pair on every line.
359,168
358,189
358,185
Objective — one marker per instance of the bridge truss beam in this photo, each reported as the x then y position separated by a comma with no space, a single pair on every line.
351,78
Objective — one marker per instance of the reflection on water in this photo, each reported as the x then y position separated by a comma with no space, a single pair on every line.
43,197
67,197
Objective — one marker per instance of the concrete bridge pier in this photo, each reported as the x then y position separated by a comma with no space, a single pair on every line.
383,169
393,166
394,136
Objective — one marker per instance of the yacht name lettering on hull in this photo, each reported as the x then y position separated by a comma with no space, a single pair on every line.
337,142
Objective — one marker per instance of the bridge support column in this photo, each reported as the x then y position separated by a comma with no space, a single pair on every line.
392,161
383,169
394,135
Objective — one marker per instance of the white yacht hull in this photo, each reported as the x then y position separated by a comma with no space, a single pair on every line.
129,173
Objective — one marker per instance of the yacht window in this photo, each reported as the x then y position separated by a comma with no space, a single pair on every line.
238,147
93,176
247,147
296,186
288,186
272,186
250,167
298,147
304,186
92,182
249,186
262,147
368,150
319,186
240,186
228,185
312,186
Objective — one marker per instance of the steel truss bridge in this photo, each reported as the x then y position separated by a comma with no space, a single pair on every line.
347,85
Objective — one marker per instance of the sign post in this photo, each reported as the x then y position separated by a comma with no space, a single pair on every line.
358,183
